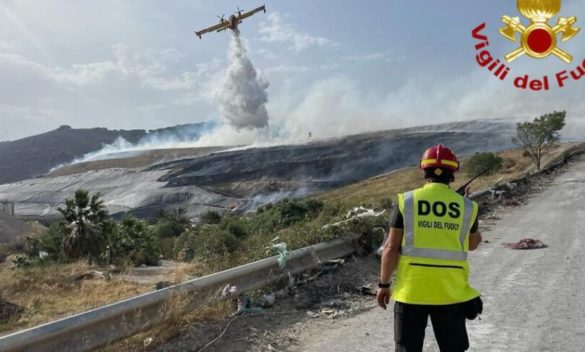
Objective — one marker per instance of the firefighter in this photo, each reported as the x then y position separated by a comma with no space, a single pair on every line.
432,229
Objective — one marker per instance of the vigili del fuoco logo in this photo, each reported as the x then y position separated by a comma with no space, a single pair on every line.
537,39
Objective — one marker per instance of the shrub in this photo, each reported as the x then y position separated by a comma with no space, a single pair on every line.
295,210
166,228
483,161
132,241
171,224
207,242
52,242
237,227
210,217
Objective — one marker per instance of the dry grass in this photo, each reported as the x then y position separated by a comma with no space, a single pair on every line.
50,293
374,190
176,316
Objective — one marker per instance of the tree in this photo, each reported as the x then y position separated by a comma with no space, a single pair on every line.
486,163
535,136
85,218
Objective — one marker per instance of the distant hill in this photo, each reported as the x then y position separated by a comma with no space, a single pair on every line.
34,156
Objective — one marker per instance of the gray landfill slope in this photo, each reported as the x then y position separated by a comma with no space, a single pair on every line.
533,299
123,191
244,179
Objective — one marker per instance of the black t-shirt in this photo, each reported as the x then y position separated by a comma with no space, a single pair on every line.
397,221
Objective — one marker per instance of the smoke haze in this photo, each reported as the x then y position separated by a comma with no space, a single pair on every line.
242,98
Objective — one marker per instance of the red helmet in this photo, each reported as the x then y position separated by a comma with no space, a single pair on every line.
439,156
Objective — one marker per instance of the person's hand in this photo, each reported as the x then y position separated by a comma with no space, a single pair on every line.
383,297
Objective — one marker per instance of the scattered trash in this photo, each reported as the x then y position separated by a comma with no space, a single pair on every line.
148,341
511,186
331,313
313,314
330,266
379,251
332,303
283,253
356,213
268,300
229,291
367,290
89,275
527,243
360,212
496,194
511,202
246,306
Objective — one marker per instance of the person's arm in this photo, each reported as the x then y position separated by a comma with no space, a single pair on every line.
474,240
475,236
389,262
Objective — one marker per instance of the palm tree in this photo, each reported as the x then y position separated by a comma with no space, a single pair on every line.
85,217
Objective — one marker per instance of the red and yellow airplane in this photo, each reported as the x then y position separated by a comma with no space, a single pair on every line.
231,23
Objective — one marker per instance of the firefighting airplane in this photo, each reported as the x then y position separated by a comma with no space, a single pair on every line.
231,23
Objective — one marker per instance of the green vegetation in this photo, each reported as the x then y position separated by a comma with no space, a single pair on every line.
87,232
533,137
84,228
486,163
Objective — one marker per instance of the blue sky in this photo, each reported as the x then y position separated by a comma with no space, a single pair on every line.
334,67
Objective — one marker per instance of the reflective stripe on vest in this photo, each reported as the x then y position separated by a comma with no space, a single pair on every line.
410,250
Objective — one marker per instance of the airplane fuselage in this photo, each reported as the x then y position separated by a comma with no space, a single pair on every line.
234,22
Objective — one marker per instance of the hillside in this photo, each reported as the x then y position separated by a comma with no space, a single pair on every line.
376,189
33,156
243,179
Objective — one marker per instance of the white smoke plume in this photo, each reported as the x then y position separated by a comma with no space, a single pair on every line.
243,97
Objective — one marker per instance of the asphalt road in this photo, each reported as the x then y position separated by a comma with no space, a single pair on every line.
534,300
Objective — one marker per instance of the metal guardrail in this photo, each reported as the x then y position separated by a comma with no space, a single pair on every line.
99,327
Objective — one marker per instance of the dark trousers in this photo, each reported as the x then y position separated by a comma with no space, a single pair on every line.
410,322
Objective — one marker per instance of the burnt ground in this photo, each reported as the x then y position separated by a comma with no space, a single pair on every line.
243,179
333,296
303,321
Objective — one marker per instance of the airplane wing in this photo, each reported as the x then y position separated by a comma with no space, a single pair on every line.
217,27
251,12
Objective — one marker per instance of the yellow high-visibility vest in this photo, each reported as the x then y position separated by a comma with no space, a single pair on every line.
432,267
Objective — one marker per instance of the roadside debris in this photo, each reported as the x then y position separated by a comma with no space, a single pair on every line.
356,213
283,252
368,290
511,202
229,291
148,341
527,243
89,275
